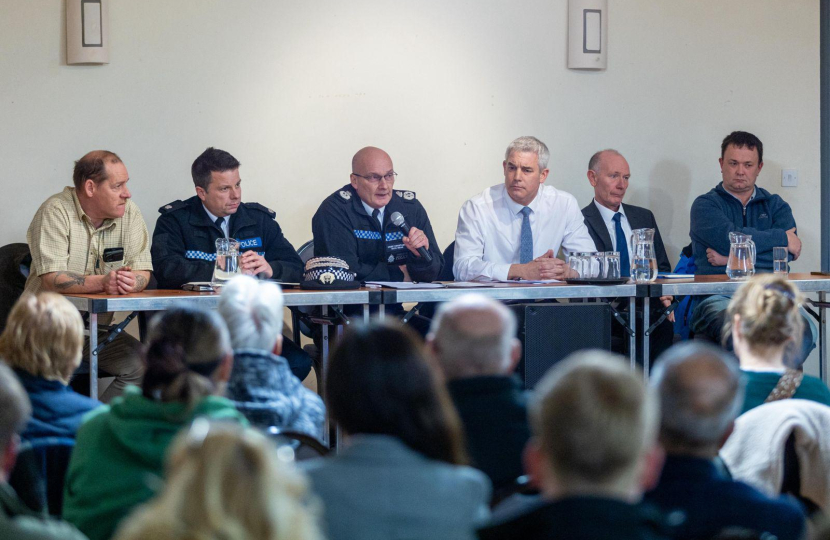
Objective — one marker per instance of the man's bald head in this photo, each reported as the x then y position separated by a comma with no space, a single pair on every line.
701,392
369,157
474,335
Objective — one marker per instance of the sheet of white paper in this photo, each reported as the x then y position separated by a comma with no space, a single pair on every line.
676,276
528,281
469,284
406,285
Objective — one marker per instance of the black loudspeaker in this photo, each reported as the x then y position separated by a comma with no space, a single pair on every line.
550,332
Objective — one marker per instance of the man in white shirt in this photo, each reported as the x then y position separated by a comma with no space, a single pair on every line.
514,230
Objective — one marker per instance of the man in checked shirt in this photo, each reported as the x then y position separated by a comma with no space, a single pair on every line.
91,238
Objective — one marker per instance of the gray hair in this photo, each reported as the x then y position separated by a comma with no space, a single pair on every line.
701,391
533,145
593,163
468,341
252,310
15,408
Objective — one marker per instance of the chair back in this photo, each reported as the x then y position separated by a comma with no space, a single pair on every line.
15,260
306,251
38,475
297,446
783,446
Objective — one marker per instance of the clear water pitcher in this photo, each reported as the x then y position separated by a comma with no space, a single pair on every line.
643,256
227,261
741,262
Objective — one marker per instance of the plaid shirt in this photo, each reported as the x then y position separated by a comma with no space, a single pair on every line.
62,238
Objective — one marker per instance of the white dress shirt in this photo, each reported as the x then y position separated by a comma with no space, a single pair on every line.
487,239
608,217
225,222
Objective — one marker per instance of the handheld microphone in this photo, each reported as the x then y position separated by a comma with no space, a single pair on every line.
399,221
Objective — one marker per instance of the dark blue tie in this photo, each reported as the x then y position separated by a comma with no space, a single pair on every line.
219,221
622,246
376,215
526,238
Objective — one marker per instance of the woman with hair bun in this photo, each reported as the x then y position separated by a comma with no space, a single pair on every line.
766,326
119,453
225,482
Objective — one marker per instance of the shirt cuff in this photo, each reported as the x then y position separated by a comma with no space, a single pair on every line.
500,271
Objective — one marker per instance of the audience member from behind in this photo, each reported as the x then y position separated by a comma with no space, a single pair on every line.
42,341
399,475
16,520
261,385
225,482
120,449
766,325
701,391
594,450
473,339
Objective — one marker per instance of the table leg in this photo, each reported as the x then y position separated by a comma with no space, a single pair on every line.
381,312
822,338
93,355
366,313
338,436
324,362
646,339
632,322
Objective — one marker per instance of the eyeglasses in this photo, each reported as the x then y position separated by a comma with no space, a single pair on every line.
376,178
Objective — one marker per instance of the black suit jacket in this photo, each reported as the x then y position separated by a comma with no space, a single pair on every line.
639,218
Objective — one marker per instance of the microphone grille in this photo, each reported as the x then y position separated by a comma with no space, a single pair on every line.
397,218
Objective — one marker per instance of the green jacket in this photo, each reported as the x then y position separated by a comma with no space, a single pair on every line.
760,384
17,521
118,461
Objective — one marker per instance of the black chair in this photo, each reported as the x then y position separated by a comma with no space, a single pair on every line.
15,260
38,475
427,309
296,445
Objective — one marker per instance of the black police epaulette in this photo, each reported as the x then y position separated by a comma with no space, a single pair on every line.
257,206
408,196
172,207
345,195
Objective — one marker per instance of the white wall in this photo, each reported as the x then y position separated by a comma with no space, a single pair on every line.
293,89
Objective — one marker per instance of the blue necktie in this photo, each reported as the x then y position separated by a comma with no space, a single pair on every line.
622,246
526,239
376,215
219,222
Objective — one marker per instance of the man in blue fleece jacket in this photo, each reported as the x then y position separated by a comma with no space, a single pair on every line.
738,205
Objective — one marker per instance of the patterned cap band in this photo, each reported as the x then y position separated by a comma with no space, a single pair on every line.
327,270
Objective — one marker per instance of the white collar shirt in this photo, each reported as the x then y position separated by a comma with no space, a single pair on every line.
487,239
370,211
225,222
608,217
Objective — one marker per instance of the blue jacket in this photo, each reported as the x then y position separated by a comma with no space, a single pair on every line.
703,502
717,213
184,242
57,410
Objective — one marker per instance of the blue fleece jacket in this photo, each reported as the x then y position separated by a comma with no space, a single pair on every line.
717,213
57,410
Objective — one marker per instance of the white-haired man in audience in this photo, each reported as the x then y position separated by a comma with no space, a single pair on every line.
261,384
594,450
701,393
16,520
473,339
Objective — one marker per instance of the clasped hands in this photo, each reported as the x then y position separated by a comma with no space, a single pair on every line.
123,281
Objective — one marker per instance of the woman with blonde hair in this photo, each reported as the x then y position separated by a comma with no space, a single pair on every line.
766,326
42,342
119,454
225,482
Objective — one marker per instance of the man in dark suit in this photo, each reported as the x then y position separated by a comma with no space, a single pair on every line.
607,219
701,392
473,340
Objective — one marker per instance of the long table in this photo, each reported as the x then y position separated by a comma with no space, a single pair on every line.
157,300
721,284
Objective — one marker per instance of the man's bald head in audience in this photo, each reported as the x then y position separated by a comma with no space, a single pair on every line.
474,336
701,392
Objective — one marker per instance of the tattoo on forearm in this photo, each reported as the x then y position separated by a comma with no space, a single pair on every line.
74,279
140,282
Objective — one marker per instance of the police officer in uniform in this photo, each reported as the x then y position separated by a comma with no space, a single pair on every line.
184,241
355,224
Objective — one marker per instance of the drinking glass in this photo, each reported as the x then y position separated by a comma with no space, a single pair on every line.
780,258
611,265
